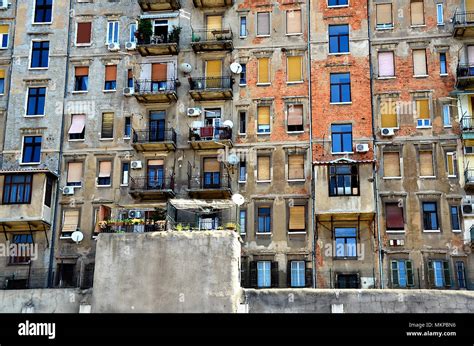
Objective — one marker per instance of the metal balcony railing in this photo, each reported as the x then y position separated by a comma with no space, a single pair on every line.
465,70
467,123
133,226
204,83
207,133
154,136
147,86
151,184
463,18
211,35
205,224
158,39
469,176
209,180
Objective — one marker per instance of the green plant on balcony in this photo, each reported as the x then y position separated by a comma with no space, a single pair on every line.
179,227
173,36
230,225
145,31
195,38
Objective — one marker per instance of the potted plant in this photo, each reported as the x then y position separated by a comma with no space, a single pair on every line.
173,36
145,31
230,225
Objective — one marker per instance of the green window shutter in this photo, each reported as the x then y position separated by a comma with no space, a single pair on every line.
409,269
431,279
288,274
395,281
308,278
244,274
274,274
447,276
253,274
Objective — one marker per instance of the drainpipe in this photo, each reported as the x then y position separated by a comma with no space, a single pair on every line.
61,148
374,165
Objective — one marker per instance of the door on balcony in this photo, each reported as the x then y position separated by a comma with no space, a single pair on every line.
157,126
208,222
212,122
159,76
213,74
347,281
211,173
213,27
160,31
156,174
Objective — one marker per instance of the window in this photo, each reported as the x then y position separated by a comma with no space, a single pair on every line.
74,174
243,26
127,131
263,24
48,191
78,127
340,87
343,180
417,12
132,31
263,119
341,137
334,3
264,274
384,16
243,221
264,220
294,70
125,172
295,118
4,36
263,71
39,54
242,171
430,216
81,78
43,11
455,221
242,123
31,149
388,113
402,274
263,168
419,63
296,167
297,219
447,115
36,100
113,32
423,113
346,241
2,81
105,173
130,78
243,75
23,246
84,33
386,65
293,22
461,274
211,172
298,272
70,222
394,220
391,164
451,164
110,77
439,273
107,131
339,38
17,188
426,163
439,14
443,68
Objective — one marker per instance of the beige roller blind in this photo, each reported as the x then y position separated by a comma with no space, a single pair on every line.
107,125
384,14
263,23
417,15
297,218
156,162
3,29
391,164
263,168
74,172
451,164
263,117
264,70
423,109
388,113
2,74
295,68
214,23
105,169
295,167
469,5
295,115
110,73
293,22
82,71
426,163
159,72
419,62
71,220
211,165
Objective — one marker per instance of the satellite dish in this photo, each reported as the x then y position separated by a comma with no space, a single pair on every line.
77,236
185,68
228,123
238,199
236,68
233,159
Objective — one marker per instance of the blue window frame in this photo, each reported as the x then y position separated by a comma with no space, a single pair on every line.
443,69
338,3
430,216
113,32
339,38
439,273
243,221
298,270
340,87
243,75
43,11
346,241
31,149
36,101
17,189
243,26
446,115
40,54
341,138
264,220
264,272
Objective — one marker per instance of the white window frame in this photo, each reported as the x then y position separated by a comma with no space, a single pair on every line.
240,26
116,31
246,172
77,31
8,39
453,154
42,23
264,268
122,174
31,56
286,22
269,24
447,107
26,102
131,34
22,147
297,268
439,21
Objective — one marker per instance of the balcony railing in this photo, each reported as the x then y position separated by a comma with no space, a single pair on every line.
463,18
465,70
204,83
209,133
209,35
151,184
469,176
467,123
205,224
209,181
150,136
147,86
158,39
134,226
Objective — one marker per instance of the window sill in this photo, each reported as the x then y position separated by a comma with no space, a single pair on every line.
265,233
126,138
340,103
242,181
395,231
83,45
431,231
65,237
420,76
392,178
443,74
338,6
76,140
29,163
448,126
457,231
263,133
428,177
106,139
263,36
295,82
452,177
386,77
264,84
339,53
109,91
418,26
294,132
343,153
103,186
74,186
42,23
37,68
424,127
34,116
242,85
79,92
296,180
385,28
264,181
123,185
242,134
297,233
294,34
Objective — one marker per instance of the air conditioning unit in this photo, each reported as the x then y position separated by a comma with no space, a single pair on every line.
468,208
136,165
468,150
113,47
68,190
397,242
387,132
362,148
131,45
3,4
194,112
135,214
128,91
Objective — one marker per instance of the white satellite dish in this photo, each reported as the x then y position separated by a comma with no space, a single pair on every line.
228,123
236,68
77,236
185,68
238,199
233,159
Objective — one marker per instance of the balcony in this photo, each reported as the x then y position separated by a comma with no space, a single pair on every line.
210,137
463,24
469,177
465,76
212,40
148,91
159,5
467,123
212,3
158,45
211,88
147,140
210,186
132,226
146,188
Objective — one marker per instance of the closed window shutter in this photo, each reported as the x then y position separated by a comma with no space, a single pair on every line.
419,62
295,66
84,33
293,22
409,268
447,275
308,277
82,71
156,162
388,111
263,23
384,14
391,164
263,115
159,72
469,5
107,125
2,74
297,218
470,55
275,275
386,66
110,73
264,70
71,220
74,172
214,23
295,115
296,167
263,168
426,163
395,281
211,165
253,274
450,163
105,169
423,109
394,217
417,15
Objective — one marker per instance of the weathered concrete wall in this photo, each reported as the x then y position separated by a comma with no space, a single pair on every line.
359,301
167,272
43,300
